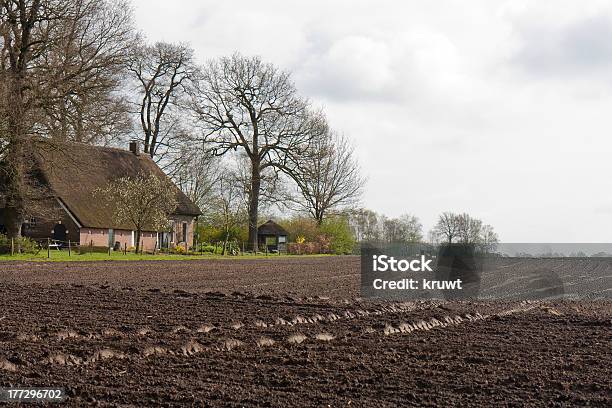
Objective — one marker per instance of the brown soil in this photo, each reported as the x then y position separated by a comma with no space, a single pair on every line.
287,332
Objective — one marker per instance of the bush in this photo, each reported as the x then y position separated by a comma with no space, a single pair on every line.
27,245
212,233
338,236
210,249
304,248
301,229
333,236
179,249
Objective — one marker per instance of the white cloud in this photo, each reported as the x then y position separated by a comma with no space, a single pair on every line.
578,48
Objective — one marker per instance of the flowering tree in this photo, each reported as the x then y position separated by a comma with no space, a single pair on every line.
145,202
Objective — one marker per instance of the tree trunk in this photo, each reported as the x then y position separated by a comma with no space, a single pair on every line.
225,242
13,223
14,214
15,167
138,232
319,217
19,50
254,204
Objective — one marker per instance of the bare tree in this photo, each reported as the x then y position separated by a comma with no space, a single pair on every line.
145,202
195,173
489,239
448,226
466,229
366,224
163,73
81,73
273,188
50,52
24,29
406,228
244,103
469,229
433,237
327,176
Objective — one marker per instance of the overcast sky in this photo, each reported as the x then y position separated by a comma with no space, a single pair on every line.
502,109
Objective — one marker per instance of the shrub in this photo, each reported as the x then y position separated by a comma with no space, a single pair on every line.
301,228
26,245
304,248
212,233
180,249
338,235
208,248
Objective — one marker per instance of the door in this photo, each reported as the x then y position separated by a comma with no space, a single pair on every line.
59,232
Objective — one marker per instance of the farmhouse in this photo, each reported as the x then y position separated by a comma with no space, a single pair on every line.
70,174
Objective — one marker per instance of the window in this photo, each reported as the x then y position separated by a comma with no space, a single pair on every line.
270,241
282,239
32,222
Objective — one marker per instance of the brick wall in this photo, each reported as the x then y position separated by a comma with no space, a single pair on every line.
42,228
179,222
99,237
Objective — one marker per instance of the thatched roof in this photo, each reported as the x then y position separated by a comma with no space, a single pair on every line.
74,171
271,228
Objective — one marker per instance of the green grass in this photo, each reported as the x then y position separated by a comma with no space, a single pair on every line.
62,256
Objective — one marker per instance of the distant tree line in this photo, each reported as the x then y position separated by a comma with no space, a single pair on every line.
368,225
465,229
342,231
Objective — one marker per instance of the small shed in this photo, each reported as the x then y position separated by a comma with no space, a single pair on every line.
272,236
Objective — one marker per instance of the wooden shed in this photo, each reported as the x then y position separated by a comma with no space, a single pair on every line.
272,236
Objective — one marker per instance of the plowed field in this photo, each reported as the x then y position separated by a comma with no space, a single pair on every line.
287,332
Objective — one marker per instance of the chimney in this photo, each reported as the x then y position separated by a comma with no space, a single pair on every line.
134,148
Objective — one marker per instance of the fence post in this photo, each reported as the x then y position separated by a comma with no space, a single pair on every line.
12,246
91,246
109,250
48,248
69,249
125,248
